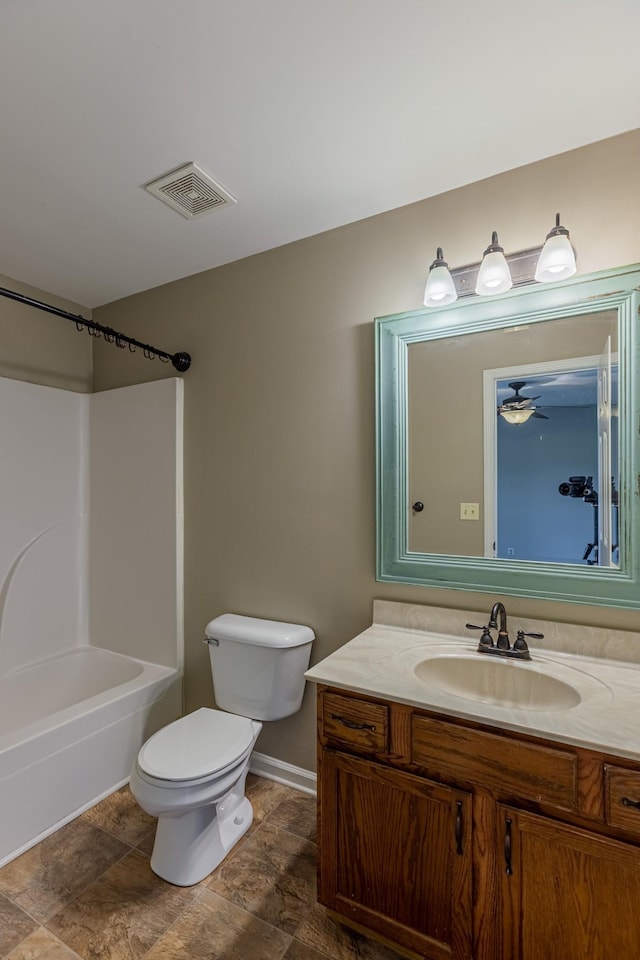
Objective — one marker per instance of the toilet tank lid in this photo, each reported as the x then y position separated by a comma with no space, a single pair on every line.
268,633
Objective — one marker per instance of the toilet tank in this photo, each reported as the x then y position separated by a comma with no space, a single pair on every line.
258,665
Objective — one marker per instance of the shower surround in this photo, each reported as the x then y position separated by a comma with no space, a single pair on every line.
90,594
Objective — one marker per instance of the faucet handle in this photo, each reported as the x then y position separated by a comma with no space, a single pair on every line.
486,640
521,644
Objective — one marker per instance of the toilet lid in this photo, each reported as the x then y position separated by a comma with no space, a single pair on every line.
202,743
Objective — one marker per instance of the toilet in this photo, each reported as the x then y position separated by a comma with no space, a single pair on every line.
191,774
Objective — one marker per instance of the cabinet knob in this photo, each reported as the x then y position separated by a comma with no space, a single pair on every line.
626,802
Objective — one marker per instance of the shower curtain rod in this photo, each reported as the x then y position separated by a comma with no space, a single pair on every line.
181,361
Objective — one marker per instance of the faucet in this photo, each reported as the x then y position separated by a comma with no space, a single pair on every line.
498,610
502,647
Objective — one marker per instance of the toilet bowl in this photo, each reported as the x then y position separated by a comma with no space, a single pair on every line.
191,774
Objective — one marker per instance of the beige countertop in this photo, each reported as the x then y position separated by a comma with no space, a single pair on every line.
395,662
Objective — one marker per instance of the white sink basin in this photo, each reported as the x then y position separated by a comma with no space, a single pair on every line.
502,682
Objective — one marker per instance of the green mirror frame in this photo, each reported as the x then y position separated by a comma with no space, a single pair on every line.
617,290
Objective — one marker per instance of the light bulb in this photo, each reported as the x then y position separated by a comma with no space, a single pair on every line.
440,288
557,260
494,275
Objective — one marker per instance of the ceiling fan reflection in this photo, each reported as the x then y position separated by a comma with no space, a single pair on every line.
518,409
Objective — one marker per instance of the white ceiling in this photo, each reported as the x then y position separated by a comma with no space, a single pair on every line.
313,113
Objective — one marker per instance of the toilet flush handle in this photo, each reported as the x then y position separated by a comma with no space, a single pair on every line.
212,641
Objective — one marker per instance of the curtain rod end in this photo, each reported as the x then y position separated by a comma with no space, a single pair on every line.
181,361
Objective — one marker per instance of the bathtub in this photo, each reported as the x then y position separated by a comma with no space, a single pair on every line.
70,729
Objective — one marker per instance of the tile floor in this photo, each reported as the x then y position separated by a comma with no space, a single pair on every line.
88,892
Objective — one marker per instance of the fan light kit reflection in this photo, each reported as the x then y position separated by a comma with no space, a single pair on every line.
516,416
554,261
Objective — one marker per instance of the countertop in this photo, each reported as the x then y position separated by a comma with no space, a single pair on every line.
381,662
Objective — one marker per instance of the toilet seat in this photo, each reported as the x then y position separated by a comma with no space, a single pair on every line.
197,747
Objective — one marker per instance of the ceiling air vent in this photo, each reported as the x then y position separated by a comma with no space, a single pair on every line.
190,191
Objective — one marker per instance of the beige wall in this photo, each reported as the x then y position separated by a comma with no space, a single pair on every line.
40,347
279,402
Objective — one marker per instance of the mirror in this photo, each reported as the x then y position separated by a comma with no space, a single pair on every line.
545,377
507,457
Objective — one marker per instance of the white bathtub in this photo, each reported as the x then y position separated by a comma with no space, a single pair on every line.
70,729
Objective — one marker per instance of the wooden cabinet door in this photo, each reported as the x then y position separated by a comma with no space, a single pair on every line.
570,895
396,855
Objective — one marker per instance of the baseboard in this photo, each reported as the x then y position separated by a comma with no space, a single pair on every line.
272,769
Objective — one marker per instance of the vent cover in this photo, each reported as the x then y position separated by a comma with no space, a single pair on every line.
190,191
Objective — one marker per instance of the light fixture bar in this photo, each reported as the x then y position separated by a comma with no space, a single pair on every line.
522,265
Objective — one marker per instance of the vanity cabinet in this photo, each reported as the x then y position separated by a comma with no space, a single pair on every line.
450,839
397,855
568,893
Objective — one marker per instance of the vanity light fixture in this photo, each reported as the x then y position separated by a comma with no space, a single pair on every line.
498,273
494,275
557,260
440,288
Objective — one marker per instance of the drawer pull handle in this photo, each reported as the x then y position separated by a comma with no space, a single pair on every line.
630,803
459,827
507,846
351,724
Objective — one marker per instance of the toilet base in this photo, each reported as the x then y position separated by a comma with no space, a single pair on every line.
189,847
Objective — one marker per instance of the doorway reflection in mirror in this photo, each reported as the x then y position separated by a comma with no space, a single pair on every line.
553,484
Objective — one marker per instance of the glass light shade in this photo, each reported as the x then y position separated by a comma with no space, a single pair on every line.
517,416
440,288
557,260
494,275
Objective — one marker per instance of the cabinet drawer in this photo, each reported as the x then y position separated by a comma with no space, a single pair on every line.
361,724
622,798
506,767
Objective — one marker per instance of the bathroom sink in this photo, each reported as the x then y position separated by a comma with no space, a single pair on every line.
499,682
